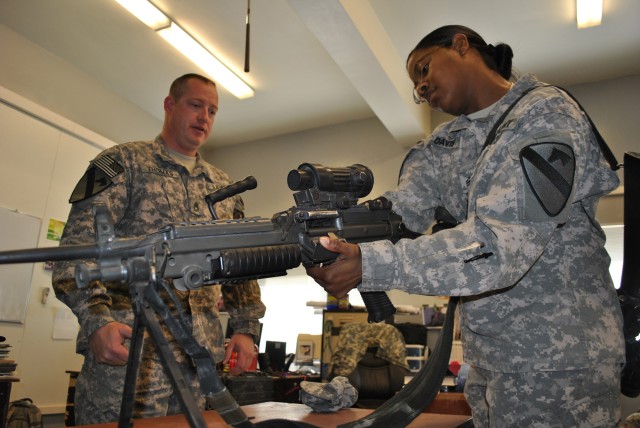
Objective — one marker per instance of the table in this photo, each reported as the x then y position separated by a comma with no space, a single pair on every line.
449,403
295,412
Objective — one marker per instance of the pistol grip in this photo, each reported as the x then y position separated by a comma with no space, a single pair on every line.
378,305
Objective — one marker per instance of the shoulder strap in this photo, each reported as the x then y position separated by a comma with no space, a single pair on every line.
606,150
492,134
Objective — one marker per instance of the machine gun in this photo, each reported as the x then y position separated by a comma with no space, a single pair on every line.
230,251
193,255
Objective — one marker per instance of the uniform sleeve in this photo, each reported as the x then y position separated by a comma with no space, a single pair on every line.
90,305
242,301
506,229
415,198
245,307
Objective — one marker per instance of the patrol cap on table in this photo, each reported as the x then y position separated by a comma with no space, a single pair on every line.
328,397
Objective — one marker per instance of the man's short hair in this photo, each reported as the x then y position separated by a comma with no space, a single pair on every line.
179,86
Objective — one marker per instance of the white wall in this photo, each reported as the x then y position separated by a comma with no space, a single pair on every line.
53,83
41,164
613,107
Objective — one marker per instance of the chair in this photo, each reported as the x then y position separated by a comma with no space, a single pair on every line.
373,358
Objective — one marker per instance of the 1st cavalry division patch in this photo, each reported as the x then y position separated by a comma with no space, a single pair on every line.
96,178
549,169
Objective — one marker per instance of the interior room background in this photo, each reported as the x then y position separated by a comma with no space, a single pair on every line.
43,160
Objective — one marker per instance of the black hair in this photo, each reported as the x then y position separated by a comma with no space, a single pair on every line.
497,58
178,87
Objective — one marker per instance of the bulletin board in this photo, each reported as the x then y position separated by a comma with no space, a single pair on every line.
17,231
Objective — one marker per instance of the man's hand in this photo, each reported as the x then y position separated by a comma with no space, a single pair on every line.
244,346
107,343
344,274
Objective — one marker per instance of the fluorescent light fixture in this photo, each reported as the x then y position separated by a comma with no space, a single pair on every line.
193,50
588,13
146,12
188,46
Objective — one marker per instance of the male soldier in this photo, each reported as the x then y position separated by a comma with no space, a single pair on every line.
145,186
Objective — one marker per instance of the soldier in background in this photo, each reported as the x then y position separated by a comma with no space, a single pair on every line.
521,172
145,186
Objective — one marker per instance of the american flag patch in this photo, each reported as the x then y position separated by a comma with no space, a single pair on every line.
96,178
108,165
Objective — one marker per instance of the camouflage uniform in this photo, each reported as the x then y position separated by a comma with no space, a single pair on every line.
356,337
149,190
536,294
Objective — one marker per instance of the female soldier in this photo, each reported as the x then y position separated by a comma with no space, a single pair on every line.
521,172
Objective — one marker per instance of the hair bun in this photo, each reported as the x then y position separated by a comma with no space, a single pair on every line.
503,55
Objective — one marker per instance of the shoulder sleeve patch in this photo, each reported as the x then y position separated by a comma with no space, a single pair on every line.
549,169
96,178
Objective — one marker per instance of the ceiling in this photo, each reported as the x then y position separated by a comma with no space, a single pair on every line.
315,63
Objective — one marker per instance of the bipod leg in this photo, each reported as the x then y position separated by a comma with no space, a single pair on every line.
133,363
216,394
187,402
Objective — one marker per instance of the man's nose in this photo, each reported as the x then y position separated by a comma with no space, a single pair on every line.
203,115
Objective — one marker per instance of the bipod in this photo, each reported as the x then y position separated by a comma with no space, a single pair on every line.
149,308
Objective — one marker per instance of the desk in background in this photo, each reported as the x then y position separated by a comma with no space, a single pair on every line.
286,388
294,412
5,396
253,388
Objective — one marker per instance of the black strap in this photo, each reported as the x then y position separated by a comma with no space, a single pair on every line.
606,150
492,134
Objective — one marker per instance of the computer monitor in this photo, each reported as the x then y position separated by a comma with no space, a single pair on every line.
277,352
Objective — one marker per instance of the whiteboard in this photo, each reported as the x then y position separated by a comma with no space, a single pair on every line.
17,231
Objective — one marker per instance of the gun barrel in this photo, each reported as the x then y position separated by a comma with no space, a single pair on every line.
72,252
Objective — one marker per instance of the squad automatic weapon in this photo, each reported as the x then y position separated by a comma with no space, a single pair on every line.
192,255
196,254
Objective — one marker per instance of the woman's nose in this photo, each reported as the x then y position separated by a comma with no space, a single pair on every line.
419,91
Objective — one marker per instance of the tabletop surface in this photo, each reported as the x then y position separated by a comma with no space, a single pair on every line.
295,412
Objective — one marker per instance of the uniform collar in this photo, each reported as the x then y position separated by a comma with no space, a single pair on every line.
523,84
163,155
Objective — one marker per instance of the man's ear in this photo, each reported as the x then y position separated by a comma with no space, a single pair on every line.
460,43
169,103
